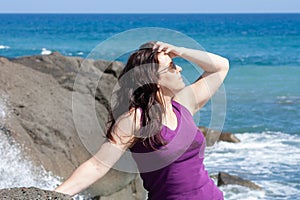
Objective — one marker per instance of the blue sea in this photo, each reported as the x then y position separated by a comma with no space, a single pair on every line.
261,92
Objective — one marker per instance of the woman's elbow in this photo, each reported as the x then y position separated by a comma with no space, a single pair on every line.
222,64
226,64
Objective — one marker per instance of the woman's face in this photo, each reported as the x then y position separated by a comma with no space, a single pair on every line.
170,79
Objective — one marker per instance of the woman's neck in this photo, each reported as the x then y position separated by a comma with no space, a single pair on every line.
166,102
169,118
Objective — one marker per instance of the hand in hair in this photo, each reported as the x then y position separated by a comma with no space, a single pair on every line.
170,49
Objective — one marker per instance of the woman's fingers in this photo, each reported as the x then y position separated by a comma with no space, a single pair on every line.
161,46
171,50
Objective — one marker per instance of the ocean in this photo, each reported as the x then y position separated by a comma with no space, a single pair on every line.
262,90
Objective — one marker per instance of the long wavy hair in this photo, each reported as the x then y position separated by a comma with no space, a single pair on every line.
138,89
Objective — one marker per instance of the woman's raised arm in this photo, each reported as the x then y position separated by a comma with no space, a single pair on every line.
215,69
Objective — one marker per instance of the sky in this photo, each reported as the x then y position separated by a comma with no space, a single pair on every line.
150,6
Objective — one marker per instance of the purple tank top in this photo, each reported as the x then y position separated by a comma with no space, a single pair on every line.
176,171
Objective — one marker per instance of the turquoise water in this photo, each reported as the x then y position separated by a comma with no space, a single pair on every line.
260,39
262,87
262,98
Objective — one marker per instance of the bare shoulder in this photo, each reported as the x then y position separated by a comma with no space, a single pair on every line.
184,98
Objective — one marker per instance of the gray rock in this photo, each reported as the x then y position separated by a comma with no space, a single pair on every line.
39,91
212,136
229,137
99,76
31,193
227,179
133,191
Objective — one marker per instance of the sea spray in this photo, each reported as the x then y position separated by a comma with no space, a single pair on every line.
4,113
16,171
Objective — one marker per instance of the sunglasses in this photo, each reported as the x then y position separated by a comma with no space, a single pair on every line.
172,67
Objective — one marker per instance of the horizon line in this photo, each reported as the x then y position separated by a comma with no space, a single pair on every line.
149,13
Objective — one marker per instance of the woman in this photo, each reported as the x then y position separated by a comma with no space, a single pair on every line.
152,117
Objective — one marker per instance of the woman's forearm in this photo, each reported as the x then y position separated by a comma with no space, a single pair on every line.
97,166
209,62
85,175
93,169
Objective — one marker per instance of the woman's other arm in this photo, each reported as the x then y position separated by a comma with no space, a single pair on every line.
98,165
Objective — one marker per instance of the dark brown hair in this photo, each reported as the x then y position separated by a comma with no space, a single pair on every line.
138,89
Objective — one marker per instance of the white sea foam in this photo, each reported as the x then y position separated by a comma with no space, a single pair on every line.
4,113
288,99
16,171
46,51
270,159
4,47
238,192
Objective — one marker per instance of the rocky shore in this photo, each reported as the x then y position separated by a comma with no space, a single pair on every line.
38,91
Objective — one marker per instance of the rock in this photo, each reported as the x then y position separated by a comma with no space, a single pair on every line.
229,137
39,90
31,193
66,69
212,136
138,189
133,191
227,179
